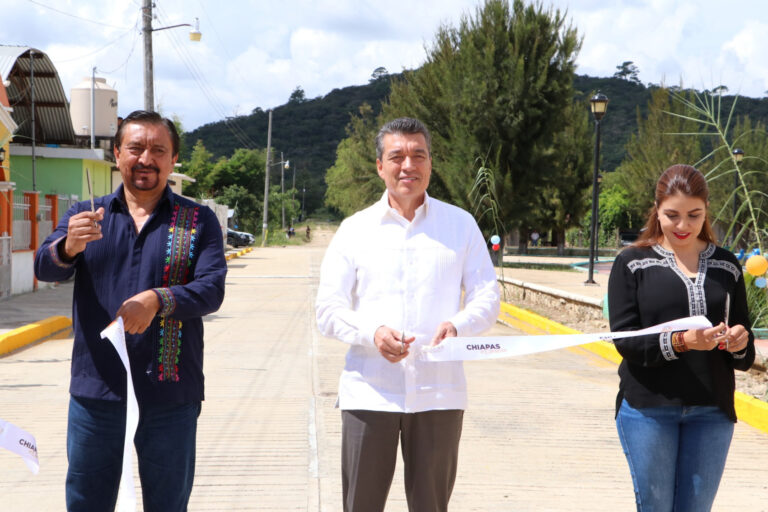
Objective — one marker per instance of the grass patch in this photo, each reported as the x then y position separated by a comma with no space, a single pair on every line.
560,267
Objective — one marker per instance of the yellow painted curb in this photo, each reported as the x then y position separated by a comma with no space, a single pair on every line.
750,410
32,333
237,254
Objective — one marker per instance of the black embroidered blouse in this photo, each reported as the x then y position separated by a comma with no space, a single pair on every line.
646,287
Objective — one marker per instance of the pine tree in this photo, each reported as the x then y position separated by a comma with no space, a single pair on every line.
656,146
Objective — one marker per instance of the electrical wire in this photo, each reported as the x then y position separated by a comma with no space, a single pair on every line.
130,54
209,21
72,15
118,38
199,77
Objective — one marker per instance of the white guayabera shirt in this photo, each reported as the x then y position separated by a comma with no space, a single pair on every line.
381,269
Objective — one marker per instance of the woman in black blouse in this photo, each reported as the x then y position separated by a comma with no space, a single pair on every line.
674,410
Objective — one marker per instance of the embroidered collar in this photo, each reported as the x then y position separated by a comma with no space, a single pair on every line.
664,253
697,303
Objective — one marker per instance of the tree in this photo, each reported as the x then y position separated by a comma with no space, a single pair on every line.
353,182
199,167
247,206
655,147
380,72
244,168
182,135
297,96
627,70
614,208
496,87
563,201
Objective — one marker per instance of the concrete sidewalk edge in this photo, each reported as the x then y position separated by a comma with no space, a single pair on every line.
237,254
750,410
32,333
54,326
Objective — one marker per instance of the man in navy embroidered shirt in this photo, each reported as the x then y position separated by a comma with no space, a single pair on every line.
157,260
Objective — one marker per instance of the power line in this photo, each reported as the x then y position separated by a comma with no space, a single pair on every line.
199,77
98,50
72,15
223,46
130,53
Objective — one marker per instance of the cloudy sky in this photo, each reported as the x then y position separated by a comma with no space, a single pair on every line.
254,53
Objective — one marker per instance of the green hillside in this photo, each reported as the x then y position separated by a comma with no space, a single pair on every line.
307,131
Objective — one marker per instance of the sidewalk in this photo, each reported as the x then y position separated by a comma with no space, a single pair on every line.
19,310
566,281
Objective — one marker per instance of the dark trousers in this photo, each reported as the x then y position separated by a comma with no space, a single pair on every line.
165,446
430,447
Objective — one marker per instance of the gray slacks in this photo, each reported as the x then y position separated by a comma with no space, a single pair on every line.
430,447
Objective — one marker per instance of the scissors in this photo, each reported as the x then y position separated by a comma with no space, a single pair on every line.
90,191
727,313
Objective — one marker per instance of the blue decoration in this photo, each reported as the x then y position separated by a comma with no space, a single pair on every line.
755,251
495,239
760,282
740,255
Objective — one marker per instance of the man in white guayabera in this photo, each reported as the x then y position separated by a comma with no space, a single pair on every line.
391,283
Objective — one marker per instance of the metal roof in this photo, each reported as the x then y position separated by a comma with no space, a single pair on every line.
53,124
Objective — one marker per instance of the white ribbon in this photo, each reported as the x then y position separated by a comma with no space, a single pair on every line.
127,496
494,347
20,442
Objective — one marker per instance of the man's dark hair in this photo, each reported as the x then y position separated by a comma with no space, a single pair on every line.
402,125
144,116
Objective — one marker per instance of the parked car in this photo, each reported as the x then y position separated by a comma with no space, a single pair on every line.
239,238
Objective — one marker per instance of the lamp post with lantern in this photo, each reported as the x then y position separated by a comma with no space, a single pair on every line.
149,80
598,104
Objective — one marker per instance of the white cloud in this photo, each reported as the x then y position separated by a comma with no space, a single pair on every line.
254,52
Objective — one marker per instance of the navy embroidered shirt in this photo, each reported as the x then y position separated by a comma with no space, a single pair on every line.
646,287
181,242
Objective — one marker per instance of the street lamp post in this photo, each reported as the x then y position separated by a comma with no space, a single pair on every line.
286,165
149,83
738,156
598,104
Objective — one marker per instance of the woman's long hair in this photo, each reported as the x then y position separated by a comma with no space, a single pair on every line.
678,179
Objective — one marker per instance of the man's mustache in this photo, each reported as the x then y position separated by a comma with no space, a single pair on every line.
141,167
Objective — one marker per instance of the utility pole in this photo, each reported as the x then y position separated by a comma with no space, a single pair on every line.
32,111
265,222
282,186
93,108
149,84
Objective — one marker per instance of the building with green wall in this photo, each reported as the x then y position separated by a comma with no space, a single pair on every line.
61,171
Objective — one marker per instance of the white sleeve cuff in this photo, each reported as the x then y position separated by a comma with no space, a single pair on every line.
665,342
739,355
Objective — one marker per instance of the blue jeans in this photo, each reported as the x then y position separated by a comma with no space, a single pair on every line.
165,447
676,455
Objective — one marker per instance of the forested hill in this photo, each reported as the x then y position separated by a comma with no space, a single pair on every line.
307,131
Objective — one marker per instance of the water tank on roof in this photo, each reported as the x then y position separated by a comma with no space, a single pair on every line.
106,108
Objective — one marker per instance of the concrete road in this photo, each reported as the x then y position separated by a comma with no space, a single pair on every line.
538,436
